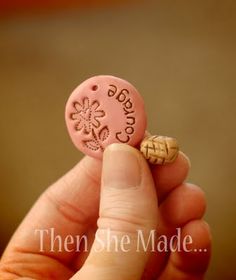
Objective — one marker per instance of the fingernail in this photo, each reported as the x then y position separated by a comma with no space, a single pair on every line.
186,157
121,167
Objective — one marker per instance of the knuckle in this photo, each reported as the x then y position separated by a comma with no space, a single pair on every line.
122,214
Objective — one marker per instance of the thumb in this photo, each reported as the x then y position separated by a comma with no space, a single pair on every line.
128,212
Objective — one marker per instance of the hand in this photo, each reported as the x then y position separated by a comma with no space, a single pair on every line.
126,203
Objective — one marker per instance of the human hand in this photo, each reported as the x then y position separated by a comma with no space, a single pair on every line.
126,202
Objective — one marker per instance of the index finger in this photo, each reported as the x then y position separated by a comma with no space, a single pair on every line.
68,207
169,176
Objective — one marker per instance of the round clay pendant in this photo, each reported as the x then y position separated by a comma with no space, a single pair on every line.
105,110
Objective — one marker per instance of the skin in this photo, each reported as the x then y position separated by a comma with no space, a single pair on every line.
124,197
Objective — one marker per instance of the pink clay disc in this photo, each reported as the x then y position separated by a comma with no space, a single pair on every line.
105,110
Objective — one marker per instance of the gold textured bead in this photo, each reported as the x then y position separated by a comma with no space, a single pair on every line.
159,149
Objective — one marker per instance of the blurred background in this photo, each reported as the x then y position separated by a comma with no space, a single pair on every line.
179,54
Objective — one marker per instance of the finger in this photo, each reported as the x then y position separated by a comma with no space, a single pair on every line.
63,209
182,163
128,203
169,176
183,204
191,261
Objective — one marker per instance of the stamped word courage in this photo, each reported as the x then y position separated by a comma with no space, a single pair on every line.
122,96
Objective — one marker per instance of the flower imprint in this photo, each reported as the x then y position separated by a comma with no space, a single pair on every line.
87,115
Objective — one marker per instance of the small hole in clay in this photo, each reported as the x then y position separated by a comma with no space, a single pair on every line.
94,88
